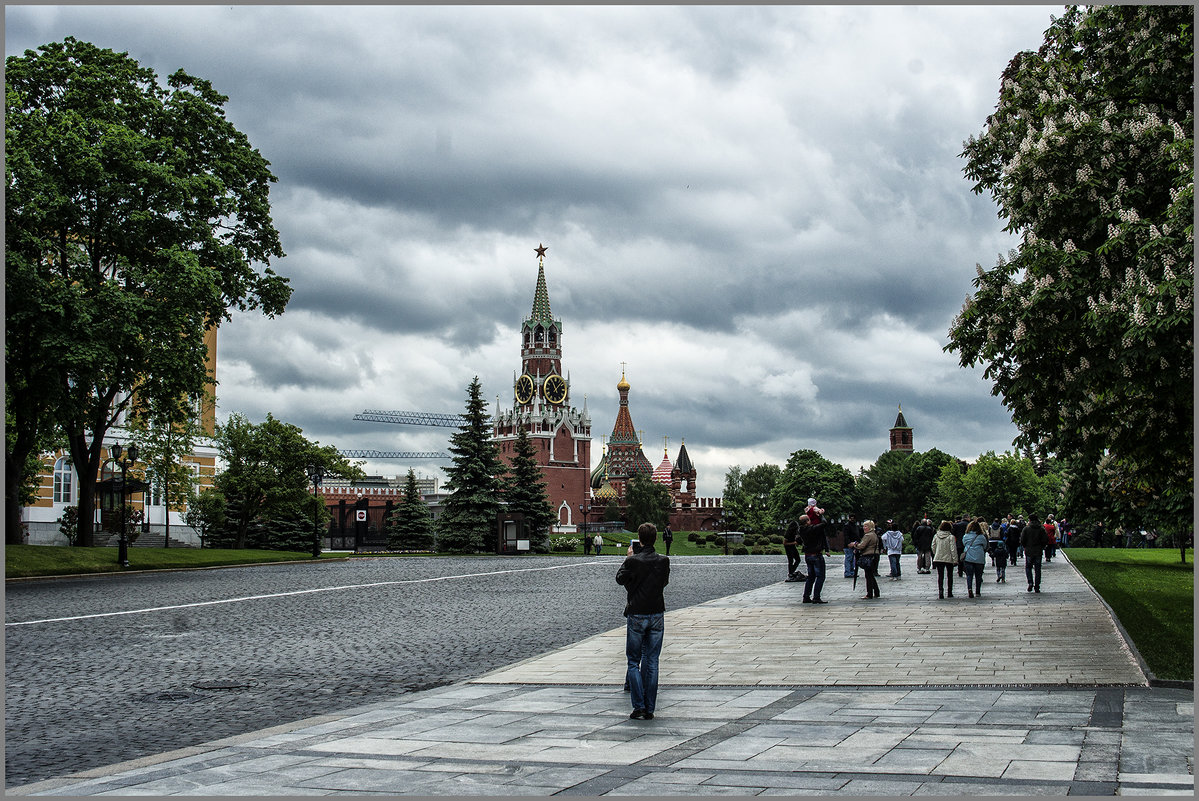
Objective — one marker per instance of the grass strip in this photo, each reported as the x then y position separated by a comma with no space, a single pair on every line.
21,561
1153,595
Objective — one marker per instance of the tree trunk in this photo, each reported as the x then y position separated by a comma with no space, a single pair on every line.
14,532
86,456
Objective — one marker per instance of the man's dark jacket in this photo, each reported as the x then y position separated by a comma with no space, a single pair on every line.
1034,539
814,539
922,537
644,575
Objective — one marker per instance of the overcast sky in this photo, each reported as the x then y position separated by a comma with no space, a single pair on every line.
761,210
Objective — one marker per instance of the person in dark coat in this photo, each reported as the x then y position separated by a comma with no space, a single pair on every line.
644,574
815,546
922,541
1034,540
959,531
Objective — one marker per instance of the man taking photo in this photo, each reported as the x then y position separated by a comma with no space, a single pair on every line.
644,574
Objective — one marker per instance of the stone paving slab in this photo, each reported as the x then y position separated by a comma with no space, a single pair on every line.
768,637
789,728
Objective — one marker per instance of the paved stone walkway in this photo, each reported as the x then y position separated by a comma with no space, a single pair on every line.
1014,693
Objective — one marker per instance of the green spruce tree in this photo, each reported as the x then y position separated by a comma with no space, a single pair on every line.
524,490
410,526
467,524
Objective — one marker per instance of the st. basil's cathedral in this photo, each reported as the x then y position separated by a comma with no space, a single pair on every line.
561,435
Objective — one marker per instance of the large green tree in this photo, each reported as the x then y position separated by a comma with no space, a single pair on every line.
524,493
808,474
265,482
136,217
746,498
995,485
467,522
900,485
410,525
1086,328
646,501
166,430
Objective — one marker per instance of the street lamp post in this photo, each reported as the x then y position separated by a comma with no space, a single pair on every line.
130,458
724,534
315,474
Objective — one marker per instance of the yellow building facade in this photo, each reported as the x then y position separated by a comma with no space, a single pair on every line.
59,486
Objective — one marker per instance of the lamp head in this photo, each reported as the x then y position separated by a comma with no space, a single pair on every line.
132,453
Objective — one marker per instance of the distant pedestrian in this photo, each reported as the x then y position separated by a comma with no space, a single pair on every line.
893,542
644,575
945,557
999,557
586,544
922,541
959,531
791,549
815,546
1033,540
851,532
598,542
667,538
974,557
1050,535
868,549
1013,540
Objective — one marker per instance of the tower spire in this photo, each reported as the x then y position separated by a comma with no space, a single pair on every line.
541,298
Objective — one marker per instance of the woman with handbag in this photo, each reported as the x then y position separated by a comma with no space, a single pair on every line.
974,557
945,556
868,549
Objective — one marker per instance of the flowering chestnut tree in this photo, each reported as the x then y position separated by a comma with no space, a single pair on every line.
1086,327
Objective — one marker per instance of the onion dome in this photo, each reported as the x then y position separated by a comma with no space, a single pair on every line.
606,493
663,470
623,386
600,472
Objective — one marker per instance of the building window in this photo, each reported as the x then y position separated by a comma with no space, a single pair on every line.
63,483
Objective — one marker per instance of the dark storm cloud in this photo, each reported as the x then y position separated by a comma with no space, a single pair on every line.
760,209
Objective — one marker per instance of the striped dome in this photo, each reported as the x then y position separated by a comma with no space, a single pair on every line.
662,471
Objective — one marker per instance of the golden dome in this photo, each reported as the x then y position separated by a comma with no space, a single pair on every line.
623,386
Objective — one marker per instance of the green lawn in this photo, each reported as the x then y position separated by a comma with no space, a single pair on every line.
681,546
1153,595
56,560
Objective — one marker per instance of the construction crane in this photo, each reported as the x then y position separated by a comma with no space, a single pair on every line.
393,455
412,418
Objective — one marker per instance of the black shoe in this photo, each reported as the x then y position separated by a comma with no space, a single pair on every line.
1036,589
802,577
639,714
649,715
626,687
1029,588
818,601
807,600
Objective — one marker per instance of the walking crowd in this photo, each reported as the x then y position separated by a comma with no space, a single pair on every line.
963,547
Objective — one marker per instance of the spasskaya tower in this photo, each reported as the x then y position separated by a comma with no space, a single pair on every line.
561,433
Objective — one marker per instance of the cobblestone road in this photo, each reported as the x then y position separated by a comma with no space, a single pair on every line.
105,669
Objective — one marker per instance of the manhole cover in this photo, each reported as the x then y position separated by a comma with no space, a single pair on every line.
220,685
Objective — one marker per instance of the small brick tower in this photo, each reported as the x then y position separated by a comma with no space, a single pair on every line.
901,434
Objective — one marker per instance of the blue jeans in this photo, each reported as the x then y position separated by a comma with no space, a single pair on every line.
850,556
974,576
894,559
642,645
815,582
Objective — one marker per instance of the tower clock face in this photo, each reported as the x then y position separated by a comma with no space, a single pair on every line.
524,389
555,388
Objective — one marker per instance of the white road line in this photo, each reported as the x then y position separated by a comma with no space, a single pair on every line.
295,592
322,589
